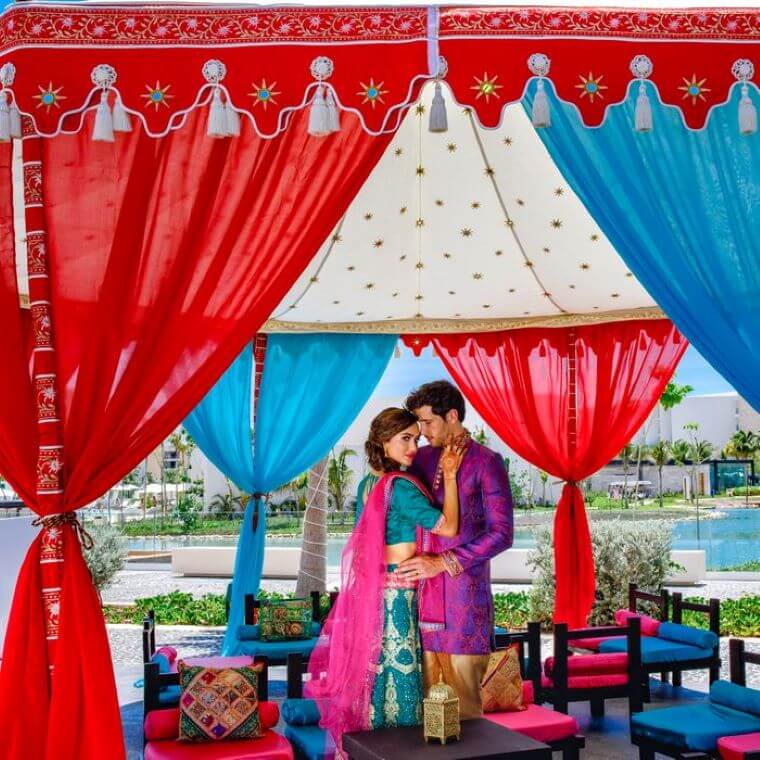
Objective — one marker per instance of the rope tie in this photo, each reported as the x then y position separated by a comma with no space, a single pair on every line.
61,520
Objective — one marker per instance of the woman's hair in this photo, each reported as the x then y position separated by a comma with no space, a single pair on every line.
388,423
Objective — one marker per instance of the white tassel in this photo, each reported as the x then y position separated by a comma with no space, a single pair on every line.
333,115
747,113
231,120
121,120
319,122
5,121
438,119
15,117
541,115
643,115
103,129
217,122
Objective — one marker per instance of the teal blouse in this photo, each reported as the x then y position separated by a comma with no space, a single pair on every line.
409,508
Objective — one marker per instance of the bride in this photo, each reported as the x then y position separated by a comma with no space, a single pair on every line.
366,668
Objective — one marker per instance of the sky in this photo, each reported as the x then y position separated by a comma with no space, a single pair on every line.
408,371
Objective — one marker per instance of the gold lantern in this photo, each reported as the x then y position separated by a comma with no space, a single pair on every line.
441,713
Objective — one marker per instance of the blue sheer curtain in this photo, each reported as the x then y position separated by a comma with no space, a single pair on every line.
313,387
683,210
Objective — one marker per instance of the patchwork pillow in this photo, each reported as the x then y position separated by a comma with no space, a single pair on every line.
285,619
218,703
502,685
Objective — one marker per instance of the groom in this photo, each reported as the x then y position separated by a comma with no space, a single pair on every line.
460,652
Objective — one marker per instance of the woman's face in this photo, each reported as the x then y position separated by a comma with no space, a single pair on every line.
403,446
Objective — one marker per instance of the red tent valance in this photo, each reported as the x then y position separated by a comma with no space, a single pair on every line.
160,63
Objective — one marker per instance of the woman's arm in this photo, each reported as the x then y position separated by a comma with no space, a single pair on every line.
451,458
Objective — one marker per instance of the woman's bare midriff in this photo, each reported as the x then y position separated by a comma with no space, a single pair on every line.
396,553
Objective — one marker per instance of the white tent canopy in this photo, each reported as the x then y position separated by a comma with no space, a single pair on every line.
469,229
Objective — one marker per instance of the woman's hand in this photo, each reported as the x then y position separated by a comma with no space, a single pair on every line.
451,458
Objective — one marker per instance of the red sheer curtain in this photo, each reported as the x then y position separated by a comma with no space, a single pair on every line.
162,257
567,400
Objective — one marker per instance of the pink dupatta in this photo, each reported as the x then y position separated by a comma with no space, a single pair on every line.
343,665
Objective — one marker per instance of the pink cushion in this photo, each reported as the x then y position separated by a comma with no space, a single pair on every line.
649,626
592,644
169,652
271,746
539,723
240,661
592,664
734,747
589,682
161,725
528,697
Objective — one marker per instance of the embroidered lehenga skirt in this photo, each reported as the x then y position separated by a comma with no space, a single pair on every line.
397,694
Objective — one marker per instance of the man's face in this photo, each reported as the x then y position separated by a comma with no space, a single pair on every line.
433,427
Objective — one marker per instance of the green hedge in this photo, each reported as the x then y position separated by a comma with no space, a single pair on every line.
738,617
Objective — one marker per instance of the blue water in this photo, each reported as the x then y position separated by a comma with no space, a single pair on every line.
730,540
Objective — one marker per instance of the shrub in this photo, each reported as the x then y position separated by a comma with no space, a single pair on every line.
107,556
187,511
624,552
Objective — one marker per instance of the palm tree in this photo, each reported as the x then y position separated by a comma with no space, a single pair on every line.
743,445
339,478
671,397
543,477
312,568
679,450
625,456
659,455
699,451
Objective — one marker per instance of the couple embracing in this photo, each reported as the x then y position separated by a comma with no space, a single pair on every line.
415,603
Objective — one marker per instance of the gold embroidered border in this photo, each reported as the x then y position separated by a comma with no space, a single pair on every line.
422,326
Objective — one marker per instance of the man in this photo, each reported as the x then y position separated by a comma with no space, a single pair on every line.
460,651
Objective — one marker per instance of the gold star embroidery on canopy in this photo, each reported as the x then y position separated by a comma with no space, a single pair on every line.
402,210
594,238
475,205
337,238
373,93
585,266
556,223
157,95
438,202
420,171
49,96
398,152
466,232
419,265
508,141
693,89
369,285
486,87
264,93
368,216
546,249
378,243
498,253
420,109
591,86
447,255
451,147
314,280
489,171
559,192
419,223
477,275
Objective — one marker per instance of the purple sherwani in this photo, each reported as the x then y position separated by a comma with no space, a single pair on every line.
485,530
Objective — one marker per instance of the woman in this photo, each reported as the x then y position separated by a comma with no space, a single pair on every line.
366,668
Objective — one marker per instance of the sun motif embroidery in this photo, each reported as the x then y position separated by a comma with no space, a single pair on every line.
486,87
49,96
373,93
591,86
693,89
157,95
264,93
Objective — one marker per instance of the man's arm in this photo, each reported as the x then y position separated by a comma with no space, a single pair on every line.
498,534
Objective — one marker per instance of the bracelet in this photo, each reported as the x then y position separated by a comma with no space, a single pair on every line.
451,563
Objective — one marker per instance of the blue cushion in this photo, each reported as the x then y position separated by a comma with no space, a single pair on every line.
310,742
695,727
736,697
685,634
276,651
162,661
168,696
655,650
251,632
300,712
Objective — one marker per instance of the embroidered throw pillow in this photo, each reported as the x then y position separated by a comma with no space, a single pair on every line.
218,703
285,619
502,684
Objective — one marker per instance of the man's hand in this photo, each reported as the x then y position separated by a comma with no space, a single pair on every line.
421,566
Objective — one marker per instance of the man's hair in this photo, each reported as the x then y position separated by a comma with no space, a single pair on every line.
440,396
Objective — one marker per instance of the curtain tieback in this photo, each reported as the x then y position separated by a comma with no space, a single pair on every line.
66,518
